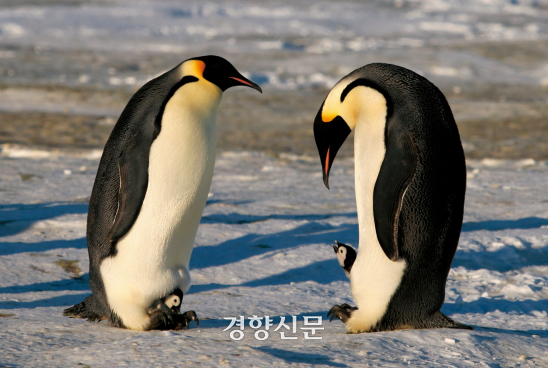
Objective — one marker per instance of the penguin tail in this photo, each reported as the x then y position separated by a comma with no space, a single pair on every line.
88,309
440,320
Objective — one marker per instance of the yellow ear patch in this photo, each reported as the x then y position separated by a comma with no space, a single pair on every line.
199,67
332,104
328,115
194,67
361,103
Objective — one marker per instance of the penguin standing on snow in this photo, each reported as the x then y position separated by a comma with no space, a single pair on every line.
410,179
149,194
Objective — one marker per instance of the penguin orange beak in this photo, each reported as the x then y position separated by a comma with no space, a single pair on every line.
246,82
329,138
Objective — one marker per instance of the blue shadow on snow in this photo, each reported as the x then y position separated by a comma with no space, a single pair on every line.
497,225
16,218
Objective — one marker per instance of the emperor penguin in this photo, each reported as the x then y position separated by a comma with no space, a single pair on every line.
149,194
410,182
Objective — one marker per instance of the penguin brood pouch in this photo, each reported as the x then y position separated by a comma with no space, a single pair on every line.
410,180
149,194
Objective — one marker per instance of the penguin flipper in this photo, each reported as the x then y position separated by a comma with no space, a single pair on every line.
133,176
397,171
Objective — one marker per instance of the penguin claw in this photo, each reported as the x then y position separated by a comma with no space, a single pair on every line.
183,320
342,312
348,307
161,320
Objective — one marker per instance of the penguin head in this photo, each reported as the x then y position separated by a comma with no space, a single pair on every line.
346,256
174,300
218,71
340,112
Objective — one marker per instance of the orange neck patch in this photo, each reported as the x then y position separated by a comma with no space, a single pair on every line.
199,67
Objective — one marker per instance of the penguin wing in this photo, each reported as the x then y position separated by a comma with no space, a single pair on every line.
133,177
140,120
397,171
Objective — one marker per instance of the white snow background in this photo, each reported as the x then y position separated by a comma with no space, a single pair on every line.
263,247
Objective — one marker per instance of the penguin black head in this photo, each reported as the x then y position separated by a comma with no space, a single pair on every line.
346,255
220,72
338,115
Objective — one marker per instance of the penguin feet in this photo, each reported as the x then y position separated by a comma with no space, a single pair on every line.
342,312
162,320
183,320
167,320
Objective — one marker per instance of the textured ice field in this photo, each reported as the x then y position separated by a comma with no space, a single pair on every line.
301,44
263,248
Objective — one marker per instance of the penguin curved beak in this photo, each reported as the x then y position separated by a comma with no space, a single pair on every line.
336,247
222,73
242,81
329,138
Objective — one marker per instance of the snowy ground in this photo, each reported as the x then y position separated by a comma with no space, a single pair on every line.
264,249
68,67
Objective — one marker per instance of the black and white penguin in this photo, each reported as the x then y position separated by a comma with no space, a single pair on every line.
410,179
346,255
149,194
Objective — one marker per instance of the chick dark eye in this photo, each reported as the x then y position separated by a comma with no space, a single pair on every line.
340,251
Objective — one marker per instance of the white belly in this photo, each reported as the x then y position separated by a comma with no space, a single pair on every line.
153,257
374,278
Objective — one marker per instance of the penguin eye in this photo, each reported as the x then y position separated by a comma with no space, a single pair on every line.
340,251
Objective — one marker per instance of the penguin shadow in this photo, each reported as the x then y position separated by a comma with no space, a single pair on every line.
288,356
16,218
323,272
508,257
293,357
496,225
73,284
236,218
58,301
504,259
486,305
16,247
529,333
250,245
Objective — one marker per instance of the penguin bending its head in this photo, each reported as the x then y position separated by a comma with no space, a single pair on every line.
149,194
346,255
410,179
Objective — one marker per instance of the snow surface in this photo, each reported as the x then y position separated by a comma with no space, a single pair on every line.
263,248
287,45
264,244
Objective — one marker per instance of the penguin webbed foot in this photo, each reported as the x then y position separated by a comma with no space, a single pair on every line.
183,320
161,320
167,320
342,312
